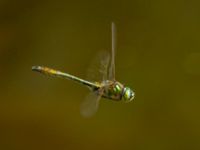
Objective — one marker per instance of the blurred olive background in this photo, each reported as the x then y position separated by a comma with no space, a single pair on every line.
158,55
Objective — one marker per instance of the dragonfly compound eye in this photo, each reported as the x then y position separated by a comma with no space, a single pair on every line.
128,94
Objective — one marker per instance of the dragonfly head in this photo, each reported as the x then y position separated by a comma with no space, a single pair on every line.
128,94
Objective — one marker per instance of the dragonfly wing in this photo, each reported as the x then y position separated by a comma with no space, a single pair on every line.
98,70
112,65
104,66
90,105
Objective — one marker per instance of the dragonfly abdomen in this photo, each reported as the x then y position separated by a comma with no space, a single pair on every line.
45,70
56,73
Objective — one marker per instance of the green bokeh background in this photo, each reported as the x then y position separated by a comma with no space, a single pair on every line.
158,55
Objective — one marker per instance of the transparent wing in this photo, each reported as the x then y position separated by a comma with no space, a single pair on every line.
98,69
90,105
112,66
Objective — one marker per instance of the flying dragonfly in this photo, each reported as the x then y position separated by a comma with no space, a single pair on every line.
108,87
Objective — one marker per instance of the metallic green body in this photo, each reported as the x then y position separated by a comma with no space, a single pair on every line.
112,90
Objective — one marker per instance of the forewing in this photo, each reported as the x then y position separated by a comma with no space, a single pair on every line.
112,65
98,69
90,105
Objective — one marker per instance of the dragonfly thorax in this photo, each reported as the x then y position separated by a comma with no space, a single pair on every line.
116,91
112,90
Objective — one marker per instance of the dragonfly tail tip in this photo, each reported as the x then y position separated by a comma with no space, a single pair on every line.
35,68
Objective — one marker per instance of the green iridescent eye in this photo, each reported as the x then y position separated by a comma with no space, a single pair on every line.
128,94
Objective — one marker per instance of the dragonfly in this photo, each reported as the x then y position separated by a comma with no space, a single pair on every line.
108,87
